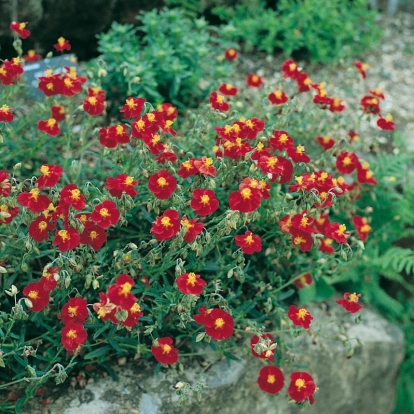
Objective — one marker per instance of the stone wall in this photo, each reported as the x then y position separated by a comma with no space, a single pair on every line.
362,384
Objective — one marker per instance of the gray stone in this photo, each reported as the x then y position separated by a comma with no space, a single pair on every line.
363,384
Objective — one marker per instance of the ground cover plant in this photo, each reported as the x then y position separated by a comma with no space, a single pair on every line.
141,239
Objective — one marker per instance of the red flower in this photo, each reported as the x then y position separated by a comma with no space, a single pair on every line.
106,140
290,69
277,97
377,92
134,313
162,184
303,222
337,232
120,292
251,127
336,105
350,302
190,284
105,309
50,177
203,316
205,166
74,311
303,82
6,114
362,68
219,325
58,112
230,54
259,185
304,281
71,195
118,133
39,228
164,352
121,183
62,44
168,110
7,214
254,80
38,296
133,107
217,102
31,56
302,239
362,227
165,227
285,223
301,387
365,175
187,169
93,105
93,235
346,162
249,243
73,335
326,246
280,140
48,278
263,347
370,105
227,90
271,379
49,126
298,154
50,84
386,123
204,202
66,239
105,214
300,317
20,29
5,186
245,201
70,86
326,142
193,229
34,201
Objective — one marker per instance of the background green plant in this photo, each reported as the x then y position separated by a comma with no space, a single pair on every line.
167,58
322,31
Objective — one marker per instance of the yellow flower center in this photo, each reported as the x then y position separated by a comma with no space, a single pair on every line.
302,313
42,226
72,334
300,383
92,100
51,122
341,230
162,182
219,323
191,279
166,349
33,294
129,180
104,212
271,379
166,222
249,239
64,235
130,103
205,199
246,193
93,235
73,310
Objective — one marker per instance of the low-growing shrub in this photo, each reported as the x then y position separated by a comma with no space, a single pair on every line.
173,59
138,240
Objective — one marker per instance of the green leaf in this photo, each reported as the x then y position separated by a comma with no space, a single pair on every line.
98,352
307,294
323,290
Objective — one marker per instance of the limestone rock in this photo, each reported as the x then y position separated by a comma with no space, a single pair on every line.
363,384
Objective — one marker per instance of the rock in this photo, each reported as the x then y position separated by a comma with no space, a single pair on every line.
365,383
